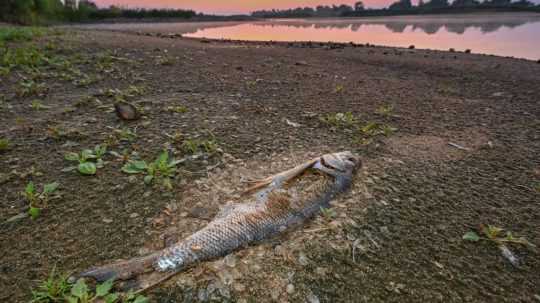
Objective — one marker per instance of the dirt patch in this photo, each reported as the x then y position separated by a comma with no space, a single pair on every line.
450,146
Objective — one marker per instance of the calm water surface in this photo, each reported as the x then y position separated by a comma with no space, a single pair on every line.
515,35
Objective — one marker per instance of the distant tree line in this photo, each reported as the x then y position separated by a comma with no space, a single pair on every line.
400,7
44,11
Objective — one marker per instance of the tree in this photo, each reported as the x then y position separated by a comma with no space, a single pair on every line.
359,6
401,5
441,4
465,3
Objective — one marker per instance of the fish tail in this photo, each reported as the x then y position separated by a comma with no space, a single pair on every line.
121,270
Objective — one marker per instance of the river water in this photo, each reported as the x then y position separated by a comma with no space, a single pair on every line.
503,34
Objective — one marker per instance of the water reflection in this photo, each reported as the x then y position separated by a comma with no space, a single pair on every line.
499,34
429,25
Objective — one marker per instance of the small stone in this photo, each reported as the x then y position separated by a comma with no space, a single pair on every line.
303,260
134,215
230,260
290,289
202,295
312,298
301,63
274,293
239,287
108,221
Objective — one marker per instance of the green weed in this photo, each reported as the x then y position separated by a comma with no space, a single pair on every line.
17,34
38,201
339,89
53,289
195,146
385,110
177,109
89,160
495,234
37,105
30,88
4,145
328,213
340,119
57,289
163,169
22,57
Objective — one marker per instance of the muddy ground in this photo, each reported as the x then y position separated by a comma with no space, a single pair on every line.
395,237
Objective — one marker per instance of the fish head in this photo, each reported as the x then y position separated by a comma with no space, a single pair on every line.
345,162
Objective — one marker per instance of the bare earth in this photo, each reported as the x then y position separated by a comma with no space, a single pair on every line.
395,237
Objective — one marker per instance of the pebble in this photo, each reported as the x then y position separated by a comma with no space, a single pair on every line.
134,215
312,298
107,221
303,260
290,289
230,260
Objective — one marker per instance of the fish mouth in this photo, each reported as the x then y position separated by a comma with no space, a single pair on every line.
340,163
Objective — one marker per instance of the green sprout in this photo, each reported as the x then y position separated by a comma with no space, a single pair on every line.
38,201
37,105
4,145
57,289
385,110
342,120
53,289
163,169
497,236
194,146
89,160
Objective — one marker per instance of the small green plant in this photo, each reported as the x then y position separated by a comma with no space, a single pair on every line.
38,201
177,109
385,110
194,146
53,289
339,89
373,129
162,169
340,119
4,145
30,88
497,236
126,134
89,160
11,33
328,213
37,105
57,289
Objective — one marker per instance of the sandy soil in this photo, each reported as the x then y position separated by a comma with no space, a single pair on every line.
395,237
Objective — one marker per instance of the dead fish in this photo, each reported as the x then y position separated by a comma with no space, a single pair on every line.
279,203
126,111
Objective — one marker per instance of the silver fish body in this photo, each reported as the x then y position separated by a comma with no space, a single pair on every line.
278,204
271,213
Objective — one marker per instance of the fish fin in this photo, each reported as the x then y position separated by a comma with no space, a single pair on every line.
145,282
281,177
121,270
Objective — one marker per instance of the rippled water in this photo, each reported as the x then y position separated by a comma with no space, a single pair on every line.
501,34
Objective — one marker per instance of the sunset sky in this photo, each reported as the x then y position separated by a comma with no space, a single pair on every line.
233,6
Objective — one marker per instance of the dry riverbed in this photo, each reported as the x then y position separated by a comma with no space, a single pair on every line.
449,140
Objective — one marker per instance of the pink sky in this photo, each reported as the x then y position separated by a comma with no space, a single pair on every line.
232,6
